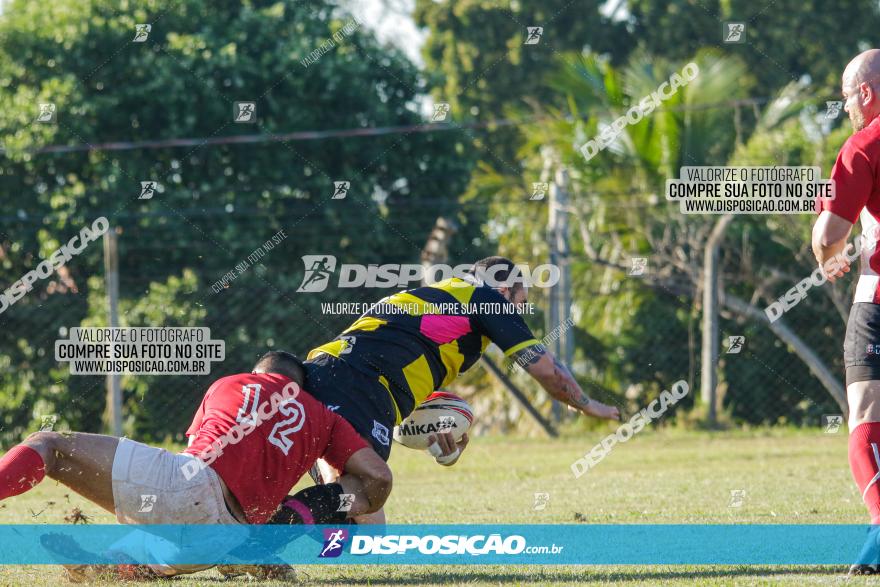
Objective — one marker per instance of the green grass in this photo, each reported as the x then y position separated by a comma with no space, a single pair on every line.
669,477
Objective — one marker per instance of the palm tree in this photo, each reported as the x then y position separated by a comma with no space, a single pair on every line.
618,199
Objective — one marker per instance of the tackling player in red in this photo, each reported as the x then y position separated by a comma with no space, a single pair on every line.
254,436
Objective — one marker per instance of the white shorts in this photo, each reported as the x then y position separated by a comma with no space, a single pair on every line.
149,487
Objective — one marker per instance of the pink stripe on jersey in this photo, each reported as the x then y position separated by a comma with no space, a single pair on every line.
442,329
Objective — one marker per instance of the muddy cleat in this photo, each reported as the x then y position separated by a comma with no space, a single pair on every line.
262,572
864,570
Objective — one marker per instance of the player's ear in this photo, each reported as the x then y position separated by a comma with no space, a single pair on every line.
866,93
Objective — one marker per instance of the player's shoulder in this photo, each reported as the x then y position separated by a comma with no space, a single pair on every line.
484,292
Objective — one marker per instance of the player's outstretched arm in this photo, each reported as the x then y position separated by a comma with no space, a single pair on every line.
560,383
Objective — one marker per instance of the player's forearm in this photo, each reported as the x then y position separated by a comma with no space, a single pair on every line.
562,386
369,495
555,377
829,237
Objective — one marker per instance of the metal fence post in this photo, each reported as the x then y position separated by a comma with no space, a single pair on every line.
113,412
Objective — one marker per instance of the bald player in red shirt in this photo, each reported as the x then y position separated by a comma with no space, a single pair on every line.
253,437
856,176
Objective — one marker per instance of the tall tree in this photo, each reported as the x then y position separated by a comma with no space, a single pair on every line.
217,203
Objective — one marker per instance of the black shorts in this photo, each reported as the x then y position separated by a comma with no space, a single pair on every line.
356,396
861,348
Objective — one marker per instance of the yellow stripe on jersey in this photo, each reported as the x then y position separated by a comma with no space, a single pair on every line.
366,323
419,378
522,345
460,289
412,305
333,348
452,360
397,417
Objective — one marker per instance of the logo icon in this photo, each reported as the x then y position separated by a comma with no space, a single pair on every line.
141,32
47,113
533,36
832,423
340,189
737,498
245,112
541,501
319,268
539,190
148,190
47,423
380,433
346,500
832,108
441,109
639,266
147,503
334,541
735,344
734,32
445,423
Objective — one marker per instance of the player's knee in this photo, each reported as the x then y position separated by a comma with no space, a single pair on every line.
46,443
863,399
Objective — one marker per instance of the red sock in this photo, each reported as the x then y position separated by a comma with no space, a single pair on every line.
864,462
20,469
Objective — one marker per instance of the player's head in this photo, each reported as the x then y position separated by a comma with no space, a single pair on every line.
502,275
860,86
282,363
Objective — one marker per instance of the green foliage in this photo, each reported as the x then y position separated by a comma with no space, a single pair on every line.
785,40
218,203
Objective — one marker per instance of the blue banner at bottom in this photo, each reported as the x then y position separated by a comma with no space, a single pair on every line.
723,544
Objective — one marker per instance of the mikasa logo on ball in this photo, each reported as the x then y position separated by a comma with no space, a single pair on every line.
443,425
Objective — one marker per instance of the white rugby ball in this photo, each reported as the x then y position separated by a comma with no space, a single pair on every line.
440,412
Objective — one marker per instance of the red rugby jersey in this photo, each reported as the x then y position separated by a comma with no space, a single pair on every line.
856,176
260,464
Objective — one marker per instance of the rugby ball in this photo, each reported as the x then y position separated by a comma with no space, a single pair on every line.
440,412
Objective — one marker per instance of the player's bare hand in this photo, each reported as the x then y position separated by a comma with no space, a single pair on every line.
600,410
445,449
463,442
837,266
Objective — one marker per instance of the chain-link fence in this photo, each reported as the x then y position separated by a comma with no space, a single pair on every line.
198,267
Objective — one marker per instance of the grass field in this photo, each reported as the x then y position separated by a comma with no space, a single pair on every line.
667,477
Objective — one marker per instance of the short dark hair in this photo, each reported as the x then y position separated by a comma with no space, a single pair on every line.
499,270
283,363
